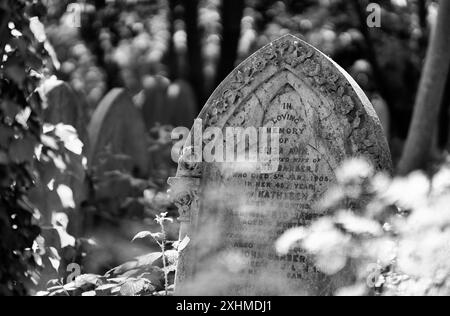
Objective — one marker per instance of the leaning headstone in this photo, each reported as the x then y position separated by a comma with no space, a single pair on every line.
233,213
117,135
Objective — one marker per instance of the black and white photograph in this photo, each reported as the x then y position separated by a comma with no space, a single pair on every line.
216,155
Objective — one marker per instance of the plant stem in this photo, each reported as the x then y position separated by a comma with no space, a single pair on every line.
163,249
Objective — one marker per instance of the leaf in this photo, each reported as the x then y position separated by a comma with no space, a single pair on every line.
69,136
184,243
149,259
66,195
23,116
133,287
9,108
142,235
54,258
90,293
49,142
65,238
87,279
38,29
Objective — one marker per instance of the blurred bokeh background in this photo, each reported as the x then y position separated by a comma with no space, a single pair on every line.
195,44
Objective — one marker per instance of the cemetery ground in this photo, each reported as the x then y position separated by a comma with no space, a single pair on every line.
224,148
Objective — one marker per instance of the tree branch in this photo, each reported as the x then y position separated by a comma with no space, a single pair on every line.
232,13
429,98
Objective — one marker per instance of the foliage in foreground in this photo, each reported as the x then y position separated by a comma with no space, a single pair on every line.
395,243
37,161
148,275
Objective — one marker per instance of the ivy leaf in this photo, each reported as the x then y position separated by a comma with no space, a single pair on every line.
23,116
69,136
135,287
38,29
172,256
87,279
142,235
65,239
183,244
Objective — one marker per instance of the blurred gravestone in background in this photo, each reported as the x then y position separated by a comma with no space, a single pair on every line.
117,136
233,213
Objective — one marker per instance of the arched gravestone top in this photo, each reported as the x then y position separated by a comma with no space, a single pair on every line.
168,103
234,220
117,128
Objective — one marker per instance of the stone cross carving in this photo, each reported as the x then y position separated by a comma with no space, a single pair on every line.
234,219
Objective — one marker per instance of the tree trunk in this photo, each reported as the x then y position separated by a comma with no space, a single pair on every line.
423,15
172,57
232,13
429,98
195,58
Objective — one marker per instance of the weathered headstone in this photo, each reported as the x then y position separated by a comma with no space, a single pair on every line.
117,135
168,103
234,218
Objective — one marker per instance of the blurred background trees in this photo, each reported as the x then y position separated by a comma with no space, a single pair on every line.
200,42
166,57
